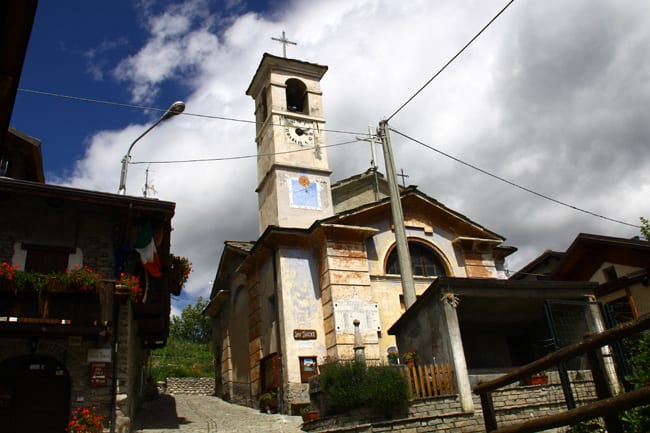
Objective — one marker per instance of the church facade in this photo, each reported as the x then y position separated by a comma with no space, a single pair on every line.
325,254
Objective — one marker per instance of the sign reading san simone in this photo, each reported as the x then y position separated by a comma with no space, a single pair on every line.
304,334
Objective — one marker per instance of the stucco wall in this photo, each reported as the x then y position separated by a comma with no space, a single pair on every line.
301,307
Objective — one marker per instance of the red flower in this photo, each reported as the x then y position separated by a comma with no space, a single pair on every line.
85,420
132,284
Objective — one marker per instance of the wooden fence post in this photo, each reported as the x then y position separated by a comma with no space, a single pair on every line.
612,423
489,416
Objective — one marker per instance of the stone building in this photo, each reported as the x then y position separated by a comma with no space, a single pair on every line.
64,345
485,327
325,255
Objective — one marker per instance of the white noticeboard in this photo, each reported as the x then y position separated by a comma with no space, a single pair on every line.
99,355
346,311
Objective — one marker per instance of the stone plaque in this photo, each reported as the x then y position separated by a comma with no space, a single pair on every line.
99,355
304,334
347,310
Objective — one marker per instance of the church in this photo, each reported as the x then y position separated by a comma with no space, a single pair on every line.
325,257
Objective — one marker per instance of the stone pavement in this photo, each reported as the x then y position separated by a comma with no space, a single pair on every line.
204,414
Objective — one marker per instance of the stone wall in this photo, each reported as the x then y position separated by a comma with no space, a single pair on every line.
190,385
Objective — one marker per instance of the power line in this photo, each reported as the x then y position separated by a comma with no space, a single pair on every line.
511,183
450,61
230,158
162,110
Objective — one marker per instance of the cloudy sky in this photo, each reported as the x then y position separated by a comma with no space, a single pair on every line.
554,97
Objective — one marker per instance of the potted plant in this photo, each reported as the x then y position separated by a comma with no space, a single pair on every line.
7,276
409,358
393,358
130,285
268,401
82,279
27,282
179,274
540,378
85,420
308,413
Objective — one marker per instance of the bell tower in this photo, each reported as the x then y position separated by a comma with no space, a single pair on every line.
293,175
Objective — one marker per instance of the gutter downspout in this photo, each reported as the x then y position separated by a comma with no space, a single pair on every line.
115,336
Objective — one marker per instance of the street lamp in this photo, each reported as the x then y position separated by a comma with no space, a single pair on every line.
176,108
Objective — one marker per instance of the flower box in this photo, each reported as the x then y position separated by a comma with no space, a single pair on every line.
309,415
537,380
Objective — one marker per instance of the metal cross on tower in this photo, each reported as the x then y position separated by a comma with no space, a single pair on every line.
284,41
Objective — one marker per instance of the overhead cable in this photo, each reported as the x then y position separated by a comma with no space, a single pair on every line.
230,158
450,61
163,110
511,183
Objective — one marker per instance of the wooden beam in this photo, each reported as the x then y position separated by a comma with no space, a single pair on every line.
600,408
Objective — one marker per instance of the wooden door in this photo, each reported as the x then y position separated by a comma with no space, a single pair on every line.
34,395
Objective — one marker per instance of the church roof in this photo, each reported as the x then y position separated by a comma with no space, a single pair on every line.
243,246
360,183
410,194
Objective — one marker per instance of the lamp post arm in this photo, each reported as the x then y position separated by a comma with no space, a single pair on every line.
127,157
176,108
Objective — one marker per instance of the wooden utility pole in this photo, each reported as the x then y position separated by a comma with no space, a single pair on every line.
403,255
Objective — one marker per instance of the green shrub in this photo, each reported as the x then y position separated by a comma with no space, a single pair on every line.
352,385
341,383
386,390
181,359
29,281
586,427
637,420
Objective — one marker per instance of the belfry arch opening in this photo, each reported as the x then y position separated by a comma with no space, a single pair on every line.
296,93
425,261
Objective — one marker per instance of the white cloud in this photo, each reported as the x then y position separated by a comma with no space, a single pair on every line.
553,96
176,45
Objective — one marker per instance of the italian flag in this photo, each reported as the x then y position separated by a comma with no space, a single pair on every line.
146,247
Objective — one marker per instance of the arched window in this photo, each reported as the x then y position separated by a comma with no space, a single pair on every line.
425,260
296,96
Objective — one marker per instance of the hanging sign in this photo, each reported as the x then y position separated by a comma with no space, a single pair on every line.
98,373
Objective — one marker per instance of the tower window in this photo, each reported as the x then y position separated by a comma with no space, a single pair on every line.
296,96
425,261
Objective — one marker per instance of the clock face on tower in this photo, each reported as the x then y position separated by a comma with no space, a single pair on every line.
299,132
